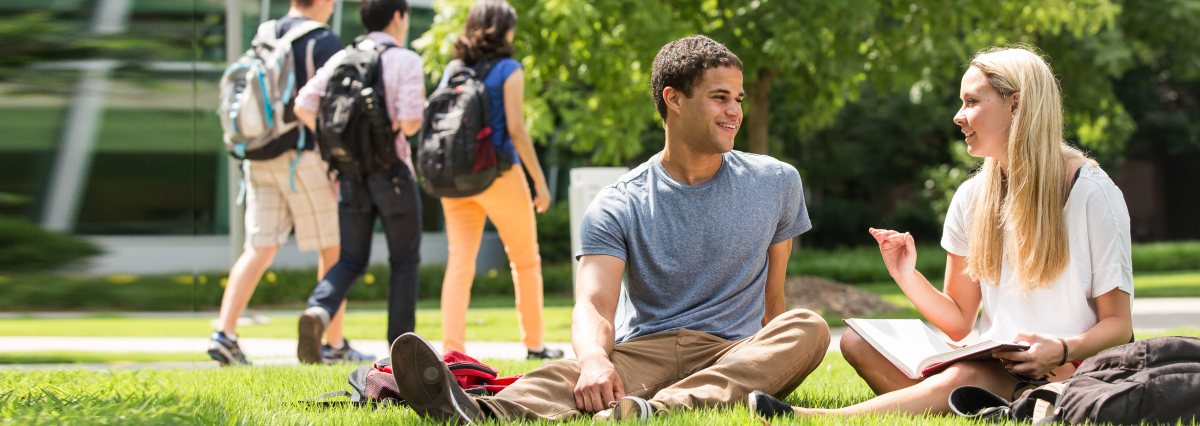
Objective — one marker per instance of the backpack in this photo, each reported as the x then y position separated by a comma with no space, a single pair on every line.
455,153
353,126
1150,381
376,386
255,91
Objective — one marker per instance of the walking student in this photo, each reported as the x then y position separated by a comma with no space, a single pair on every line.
1039,239
702,234
389,194
488,37
284,192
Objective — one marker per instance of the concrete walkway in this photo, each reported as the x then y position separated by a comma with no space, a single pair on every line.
1149,316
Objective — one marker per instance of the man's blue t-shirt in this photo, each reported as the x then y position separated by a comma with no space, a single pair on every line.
695,256
494,82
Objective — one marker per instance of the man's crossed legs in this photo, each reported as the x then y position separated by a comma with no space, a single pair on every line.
674,370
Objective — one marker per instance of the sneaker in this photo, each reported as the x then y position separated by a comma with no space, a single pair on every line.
545,353
632,408
425,383
345,355
225,351
312,327
763,405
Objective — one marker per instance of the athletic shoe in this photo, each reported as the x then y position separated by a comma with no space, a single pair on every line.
545,353
312,327
345,355
767,406
225,351
632,408
424,382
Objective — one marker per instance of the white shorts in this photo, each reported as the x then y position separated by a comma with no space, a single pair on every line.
273,209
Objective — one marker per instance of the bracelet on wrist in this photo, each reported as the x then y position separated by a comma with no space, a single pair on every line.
1066,350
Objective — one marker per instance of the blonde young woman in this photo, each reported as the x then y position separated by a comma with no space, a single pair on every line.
1039,237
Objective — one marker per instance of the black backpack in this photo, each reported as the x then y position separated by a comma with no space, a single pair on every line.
1150,381
455,153
353,127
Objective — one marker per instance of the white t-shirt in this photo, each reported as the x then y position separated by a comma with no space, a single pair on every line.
1098,229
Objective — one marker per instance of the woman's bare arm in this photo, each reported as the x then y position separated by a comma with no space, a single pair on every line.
514,114
952,310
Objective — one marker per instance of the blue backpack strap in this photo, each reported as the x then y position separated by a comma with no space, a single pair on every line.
300,144
241,198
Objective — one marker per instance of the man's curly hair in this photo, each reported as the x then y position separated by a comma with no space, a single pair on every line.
681,64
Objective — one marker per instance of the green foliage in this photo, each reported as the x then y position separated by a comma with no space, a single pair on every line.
1163,257
26,247
862,264
554,234
204,290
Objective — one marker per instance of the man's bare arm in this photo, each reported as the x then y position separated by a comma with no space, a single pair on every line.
777,257
597,290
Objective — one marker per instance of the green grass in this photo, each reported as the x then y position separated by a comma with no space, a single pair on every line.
77,357
1167,285
491,318
486,324
265,395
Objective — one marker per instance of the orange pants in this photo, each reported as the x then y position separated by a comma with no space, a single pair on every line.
509,205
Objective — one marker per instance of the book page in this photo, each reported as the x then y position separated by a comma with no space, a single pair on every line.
905,342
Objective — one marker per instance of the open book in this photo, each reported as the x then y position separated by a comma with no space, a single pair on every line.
916,350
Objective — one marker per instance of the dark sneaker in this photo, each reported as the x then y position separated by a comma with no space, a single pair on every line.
767,406
345,355
312,327
545,353
632,408
424,381
225,351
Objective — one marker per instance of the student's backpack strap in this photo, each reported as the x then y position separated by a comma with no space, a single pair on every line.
300,30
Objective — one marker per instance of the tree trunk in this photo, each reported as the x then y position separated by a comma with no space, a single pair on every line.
757,122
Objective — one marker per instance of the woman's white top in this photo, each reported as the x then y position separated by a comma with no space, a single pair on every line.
1098,228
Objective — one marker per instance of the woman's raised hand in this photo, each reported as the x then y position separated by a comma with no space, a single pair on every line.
898,250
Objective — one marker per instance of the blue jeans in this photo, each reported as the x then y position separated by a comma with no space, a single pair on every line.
391,195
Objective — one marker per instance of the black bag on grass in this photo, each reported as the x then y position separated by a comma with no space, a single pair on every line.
1150,381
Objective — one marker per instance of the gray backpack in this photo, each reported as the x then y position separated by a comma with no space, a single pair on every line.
256,89
1150,381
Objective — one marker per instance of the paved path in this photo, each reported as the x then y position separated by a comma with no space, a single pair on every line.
1149,315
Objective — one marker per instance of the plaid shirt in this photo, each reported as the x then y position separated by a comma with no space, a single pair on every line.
403,82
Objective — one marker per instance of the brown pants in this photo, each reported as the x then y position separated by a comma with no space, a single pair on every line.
681,369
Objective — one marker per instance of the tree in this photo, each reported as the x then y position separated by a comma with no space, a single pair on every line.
588,62
587,67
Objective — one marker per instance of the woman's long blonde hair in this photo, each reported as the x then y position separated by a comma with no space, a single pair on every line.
1018,212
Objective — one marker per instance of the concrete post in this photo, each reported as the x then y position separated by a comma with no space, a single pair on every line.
586,182
237,213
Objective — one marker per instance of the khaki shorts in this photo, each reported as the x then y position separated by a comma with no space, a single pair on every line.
272,208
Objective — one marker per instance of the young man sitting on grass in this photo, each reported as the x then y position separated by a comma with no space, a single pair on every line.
703,235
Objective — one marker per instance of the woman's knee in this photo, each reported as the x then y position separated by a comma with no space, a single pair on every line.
854,348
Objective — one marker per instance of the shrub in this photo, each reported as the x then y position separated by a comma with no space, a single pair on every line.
1161,257
26,247
554,233
203,291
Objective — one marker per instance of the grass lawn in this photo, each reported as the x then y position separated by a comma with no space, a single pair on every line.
73,357
486,324
264,395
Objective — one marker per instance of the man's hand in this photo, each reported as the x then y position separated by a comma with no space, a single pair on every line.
598,384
